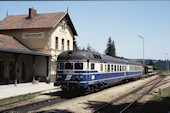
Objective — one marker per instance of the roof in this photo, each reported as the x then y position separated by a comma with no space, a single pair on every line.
48,20
8,42
84,55
11,45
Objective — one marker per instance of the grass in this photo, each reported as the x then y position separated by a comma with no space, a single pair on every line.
163,94
167,72
18,98
159,103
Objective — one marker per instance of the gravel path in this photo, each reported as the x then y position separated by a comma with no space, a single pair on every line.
86,104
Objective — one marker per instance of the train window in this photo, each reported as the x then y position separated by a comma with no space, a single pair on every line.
112,68
61,65
108,68
101,67
115,68
92,66
69,66
120,68
78,65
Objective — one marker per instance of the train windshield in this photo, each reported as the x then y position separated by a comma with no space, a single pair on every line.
78,65
60,66
69,66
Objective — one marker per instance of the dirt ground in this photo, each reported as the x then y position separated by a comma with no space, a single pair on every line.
86,104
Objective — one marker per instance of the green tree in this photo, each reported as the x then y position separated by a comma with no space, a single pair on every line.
110,48
89,48
83,49
150,62
75,47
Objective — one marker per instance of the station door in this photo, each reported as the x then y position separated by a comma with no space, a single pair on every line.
1,70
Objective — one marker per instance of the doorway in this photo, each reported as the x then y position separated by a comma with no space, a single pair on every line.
23,71
12,70
1,70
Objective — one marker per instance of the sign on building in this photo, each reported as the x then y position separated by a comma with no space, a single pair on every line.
33,35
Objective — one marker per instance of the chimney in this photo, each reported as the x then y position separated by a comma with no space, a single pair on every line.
32,13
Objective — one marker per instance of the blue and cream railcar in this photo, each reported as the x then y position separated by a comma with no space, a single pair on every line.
89,70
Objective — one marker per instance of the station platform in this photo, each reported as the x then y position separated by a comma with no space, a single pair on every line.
11,90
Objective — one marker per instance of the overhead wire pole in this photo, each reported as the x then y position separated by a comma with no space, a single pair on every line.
167,63
143,51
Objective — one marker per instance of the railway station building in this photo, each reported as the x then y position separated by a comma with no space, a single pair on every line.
40,35
19,64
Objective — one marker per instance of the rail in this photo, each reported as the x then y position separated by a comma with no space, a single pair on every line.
132,92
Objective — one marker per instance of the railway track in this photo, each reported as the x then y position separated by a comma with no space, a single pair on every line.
58,98
124,102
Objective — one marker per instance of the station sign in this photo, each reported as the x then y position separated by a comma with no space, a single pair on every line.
33,35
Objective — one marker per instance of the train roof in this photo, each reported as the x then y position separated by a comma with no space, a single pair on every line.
91,56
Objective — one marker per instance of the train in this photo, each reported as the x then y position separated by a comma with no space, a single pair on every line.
148,69
89,71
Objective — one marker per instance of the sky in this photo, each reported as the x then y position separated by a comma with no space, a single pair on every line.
96,21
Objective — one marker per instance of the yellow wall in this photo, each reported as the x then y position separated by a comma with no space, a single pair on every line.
48,43
32,43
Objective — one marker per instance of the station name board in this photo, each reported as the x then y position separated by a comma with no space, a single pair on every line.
33,35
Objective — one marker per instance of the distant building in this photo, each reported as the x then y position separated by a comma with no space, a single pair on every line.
50,33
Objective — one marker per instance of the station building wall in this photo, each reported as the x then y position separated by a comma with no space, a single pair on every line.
24,68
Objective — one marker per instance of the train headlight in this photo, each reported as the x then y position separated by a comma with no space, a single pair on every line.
58,77
79,77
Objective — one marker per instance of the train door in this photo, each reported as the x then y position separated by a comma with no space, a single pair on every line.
1,70
12,70
23,71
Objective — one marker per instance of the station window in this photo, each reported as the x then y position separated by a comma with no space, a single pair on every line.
92,65
58,65
62,44
68,44
56,42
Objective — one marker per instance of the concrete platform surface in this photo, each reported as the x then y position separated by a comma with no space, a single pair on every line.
11,90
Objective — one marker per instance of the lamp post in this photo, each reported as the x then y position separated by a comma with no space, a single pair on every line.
143,50
167,63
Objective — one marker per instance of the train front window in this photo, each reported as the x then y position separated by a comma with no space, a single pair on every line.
78,65
69,66
61,65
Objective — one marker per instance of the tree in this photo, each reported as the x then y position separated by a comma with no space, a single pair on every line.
75,47
83,49
151,63
110,49
88,48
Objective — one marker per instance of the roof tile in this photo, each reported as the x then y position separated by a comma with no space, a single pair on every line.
8,42
48,20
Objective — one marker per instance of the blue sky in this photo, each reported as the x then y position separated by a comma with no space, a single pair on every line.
96,21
